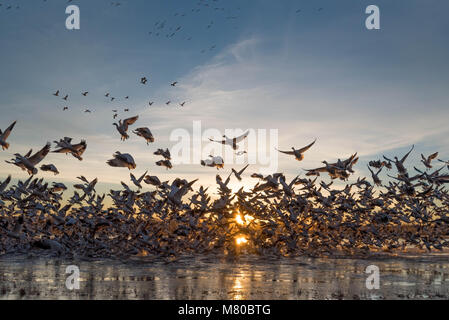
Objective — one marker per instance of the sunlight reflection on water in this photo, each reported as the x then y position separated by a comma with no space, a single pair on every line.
219,278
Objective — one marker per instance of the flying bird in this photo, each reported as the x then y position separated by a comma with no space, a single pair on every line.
122,126
138,181
65,146
213,162
298,153
232,141
145,133
4,135
28,162
50,168
427,161
122,160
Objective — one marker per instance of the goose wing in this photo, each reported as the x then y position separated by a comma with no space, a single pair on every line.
7,132
408,153
129,121
40,155
286,152
306,147
242,137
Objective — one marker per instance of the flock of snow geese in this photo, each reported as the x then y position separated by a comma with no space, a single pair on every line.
276,217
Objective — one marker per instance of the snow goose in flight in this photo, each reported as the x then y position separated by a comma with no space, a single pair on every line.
50,168
152,180
65,146
427,161
4,135
178,190
122,160
232,141
122,126
402,171
145,133
57,187
28,162
298,153
56,94
136,181
164,163
238,175
165,153
216,162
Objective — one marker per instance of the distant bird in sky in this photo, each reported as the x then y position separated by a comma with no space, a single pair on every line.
143,80
85,93
174,84
56,94
66,97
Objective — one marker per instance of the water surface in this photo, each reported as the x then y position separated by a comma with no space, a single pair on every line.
423,277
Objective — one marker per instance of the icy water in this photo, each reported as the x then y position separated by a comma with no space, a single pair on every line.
420,277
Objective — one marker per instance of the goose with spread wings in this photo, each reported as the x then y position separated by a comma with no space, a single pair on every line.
4,135
28,161
122,126
232,141
298,153
65,146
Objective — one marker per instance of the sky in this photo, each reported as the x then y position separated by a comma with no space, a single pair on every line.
256,64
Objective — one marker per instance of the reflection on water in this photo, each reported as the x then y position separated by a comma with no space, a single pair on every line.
218,278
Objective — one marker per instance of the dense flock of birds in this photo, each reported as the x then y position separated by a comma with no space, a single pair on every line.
276,217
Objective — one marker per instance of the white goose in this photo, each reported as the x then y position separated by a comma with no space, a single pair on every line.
216,162
145,133
65,146
122,126
122,160
50,168
232,141
28,162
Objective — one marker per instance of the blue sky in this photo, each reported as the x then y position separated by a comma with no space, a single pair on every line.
316,73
